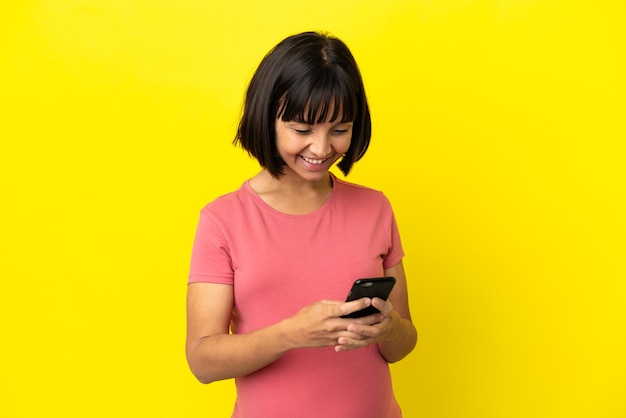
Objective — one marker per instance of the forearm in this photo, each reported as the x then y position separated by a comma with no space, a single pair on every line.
401,342
225,356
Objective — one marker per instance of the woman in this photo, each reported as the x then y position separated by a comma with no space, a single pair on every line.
273,261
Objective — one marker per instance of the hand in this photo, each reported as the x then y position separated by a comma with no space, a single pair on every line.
321,325
377,328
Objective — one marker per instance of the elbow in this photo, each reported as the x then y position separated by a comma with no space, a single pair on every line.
205,380
203,376
200,369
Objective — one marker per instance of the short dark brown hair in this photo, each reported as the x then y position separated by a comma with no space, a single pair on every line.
304,73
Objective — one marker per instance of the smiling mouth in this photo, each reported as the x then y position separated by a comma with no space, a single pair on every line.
313,161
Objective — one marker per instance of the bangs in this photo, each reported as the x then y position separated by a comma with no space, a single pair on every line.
312,100
307,78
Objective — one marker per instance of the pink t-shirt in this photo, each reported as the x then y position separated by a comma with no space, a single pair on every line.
280,263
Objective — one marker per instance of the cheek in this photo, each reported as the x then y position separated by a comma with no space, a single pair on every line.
285,142
341,147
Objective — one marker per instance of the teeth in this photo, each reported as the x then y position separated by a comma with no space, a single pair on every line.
312,161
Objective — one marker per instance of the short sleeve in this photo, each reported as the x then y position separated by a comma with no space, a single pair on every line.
396,252
210,257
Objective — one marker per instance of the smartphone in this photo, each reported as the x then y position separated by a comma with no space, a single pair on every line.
376,287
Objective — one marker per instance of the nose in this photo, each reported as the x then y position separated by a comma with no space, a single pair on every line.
320,145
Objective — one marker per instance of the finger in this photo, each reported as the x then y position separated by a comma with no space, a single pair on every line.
330,302
345,344
355,305
362,331
385,307
330,308
368,320
351,340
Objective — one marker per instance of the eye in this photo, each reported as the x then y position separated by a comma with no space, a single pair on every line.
341,130
302,131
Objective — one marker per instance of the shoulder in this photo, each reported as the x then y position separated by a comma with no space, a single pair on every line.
228,204
363,201
359,193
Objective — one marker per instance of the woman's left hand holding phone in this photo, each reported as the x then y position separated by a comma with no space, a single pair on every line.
321,325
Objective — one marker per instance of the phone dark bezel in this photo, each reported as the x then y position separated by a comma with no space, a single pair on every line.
375,287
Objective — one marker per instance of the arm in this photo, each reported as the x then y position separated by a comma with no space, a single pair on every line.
215,354
212,352
394,332
403,337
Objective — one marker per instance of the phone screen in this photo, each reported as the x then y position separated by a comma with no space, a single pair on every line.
377,287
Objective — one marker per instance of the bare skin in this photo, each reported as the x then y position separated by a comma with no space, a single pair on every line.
213,353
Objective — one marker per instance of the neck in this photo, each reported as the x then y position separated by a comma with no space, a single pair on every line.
295,185
288,195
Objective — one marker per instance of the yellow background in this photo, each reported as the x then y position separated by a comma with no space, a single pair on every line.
498,135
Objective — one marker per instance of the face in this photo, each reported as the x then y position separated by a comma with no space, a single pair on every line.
309,150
